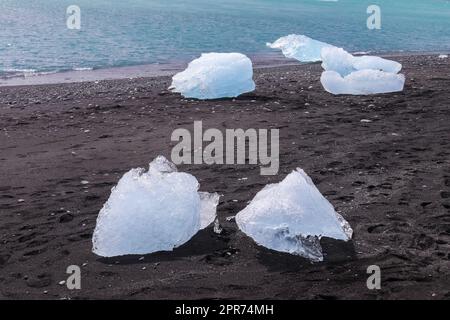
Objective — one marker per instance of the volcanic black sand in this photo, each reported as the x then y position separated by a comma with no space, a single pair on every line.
389,177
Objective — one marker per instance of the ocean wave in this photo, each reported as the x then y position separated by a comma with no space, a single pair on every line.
82,69
8,73
18,71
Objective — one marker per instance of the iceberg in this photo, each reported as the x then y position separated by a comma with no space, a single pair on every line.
300,47
292,216
344,63
152,211
362,82
214,76
347,74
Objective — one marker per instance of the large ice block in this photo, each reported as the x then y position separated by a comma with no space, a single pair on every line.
214,76
157,210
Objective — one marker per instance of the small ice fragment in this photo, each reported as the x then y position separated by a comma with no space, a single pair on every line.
214,76
208,205
230,218
292,216
84,182
299,47
366,120
443,56
157,210
362,82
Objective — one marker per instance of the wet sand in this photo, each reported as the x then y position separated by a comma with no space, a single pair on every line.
388,176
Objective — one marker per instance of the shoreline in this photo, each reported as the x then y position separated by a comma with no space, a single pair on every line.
129,72
273,60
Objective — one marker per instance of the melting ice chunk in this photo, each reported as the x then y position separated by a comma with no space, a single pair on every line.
300,47
362,82
346,74
214,76
292,216
344,63
157,210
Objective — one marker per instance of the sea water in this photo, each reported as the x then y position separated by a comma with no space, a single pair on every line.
34,37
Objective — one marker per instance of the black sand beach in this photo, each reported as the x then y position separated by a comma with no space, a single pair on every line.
388,175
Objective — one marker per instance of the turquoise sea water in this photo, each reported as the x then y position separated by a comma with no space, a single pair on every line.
34,36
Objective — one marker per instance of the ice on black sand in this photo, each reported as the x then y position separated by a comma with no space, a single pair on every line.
292,216
344,73
152,211
214,76
348,74
362,82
